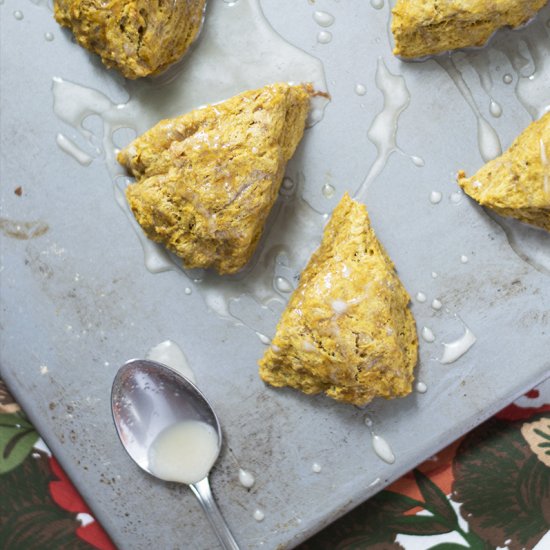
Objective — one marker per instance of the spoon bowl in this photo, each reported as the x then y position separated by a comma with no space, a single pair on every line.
147,398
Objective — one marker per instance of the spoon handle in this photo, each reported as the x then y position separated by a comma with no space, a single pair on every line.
204,494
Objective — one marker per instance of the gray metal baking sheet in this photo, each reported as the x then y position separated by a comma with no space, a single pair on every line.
77,300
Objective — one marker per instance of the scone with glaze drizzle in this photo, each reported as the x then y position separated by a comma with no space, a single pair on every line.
517,184
428,27
137,37
206,181
347,330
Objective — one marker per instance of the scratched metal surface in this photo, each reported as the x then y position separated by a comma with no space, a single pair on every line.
78,299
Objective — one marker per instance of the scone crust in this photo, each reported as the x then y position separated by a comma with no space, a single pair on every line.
347,330
428,27
206,181
517,184
137,37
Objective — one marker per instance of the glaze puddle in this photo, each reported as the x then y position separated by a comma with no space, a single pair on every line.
452,351
72,149
383,129
487,138
170,354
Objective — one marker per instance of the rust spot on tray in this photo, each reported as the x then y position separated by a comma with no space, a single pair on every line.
18,191
23,230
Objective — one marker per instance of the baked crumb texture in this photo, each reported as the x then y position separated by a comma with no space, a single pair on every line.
427,27
517,184
347,330
137,37
206,181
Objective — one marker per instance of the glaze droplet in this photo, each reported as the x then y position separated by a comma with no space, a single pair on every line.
246,479
428,335
435,197
420,297
263,338
377,4
455,350
339,307
324,37
507,79
282,285
382,449
323,18
495,109
464,259
18,15
436,304
259,515
421,387
360,89
48,36
328,190
316,467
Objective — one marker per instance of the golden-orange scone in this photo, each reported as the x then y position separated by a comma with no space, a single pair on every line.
137,37
517,184
347,330
206,181
428,27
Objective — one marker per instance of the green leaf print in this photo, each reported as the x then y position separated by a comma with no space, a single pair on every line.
448,546
367,526
502,485
544,444
435,500
17,437
419,525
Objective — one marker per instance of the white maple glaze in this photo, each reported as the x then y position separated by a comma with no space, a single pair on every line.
452,351
184,452
170,354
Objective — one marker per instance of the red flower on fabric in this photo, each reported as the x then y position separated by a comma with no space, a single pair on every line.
67,497
514,412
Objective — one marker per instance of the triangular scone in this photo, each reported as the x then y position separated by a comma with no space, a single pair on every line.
347,330
138,37
206,181
517,183
427,27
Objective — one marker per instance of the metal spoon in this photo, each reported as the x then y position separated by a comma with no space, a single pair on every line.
148,397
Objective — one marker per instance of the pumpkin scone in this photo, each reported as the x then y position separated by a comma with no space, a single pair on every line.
206,181
428,27
137,37
347,330
517,184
